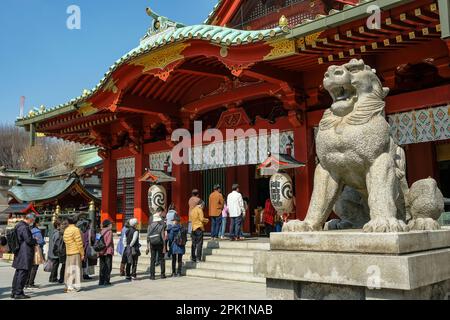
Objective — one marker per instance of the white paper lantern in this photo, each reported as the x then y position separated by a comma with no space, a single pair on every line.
281,193
157,197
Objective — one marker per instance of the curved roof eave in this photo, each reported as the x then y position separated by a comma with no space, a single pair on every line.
211,34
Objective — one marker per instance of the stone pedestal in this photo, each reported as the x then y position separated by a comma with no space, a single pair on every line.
356,265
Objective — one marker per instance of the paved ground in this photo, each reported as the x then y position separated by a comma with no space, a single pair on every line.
141,289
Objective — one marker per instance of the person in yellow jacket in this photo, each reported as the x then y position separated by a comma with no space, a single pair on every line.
198,226
74,256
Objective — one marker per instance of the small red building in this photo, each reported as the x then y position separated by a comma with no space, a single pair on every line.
258,64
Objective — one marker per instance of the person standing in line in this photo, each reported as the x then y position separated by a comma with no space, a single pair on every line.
171,213
269,217
156,238
23,258
106,255
177,243
193,201
198,227
170,216
52,252
36,234
223,224
74,256
121,248
244,215
236,210
88,237
60,250
132,251
215,211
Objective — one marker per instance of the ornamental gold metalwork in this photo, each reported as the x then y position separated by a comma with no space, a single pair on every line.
310,40
161,58
87,109
281,48
111,86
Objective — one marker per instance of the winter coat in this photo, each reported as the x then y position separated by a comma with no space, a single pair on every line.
198,219
23,259
37,234
174,247
73,241
51,244
108,238
216,202
193,202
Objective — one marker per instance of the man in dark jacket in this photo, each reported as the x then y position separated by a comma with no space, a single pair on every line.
23,259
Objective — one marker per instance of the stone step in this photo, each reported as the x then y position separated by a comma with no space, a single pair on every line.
229,259
144,264
234,252
224,275
221,266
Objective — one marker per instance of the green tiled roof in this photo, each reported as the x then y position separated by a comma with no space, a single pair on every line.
49,190
86,158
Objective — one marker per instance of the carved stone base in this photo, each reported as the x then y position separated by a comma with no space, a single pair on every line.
356,265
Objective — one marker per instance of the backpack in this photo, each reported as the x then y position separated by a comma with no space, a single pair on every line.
13,240
155,234
181,237
99,244
59,248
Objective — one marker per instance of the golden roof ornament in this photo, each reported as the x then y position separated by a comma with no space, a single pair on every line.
283,23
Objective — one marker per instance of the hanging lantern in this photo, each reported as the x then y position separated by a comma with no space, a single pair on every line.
157,197
281,193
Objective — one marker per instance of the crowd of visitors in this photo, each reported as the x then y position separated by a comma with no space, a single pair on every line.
75,246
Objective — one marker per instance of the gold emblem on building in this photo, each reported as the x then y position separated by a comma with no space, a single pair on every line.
161,58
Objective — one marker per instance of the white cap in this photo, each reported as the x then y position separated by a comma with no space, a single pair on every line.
133,222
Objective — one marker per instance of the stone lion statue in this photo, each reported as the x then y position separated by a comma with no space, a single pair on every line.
361,170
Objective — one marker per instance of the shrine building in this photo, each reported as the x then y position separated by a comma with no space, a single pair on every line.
257,64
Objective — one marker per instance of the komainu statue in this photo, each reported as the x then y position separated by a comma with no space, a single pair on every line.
361,170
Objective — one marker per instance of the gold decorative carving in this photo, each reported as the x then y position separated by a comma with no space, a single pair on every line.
111,86
281,48
86,109
161,58
310,40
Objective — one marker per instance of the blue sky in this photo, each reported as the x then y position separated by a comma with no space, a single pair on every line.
41,59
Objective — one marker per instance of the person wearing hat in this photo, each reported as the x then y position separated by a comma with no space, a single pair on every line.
216,202
106,254
177,244
23,259
132,251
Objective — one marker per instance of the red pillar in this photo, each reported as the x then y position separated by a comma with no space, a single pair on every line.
109,189
181,190
420,161
304,176
141,211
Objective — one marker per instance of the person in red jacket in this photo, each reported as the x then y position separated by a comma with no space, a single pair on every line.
106,254
269,217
